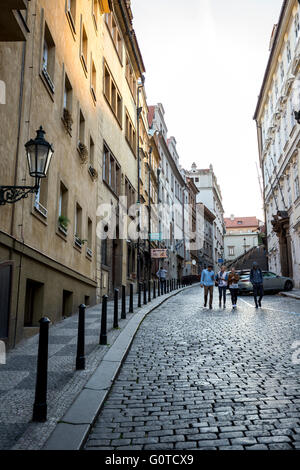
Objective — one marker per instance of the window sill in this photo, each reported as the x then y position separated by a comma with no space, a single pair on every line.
111,189
84,66
46,85
93,95
68,131
95,23
39,215
129,145
71,24
110,107
61,233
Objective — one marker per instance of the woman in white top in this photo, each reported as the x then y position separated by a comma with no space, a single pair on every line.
222,282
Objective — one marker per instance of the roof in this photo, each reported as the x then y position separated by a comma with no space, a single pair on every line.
245,222
151,115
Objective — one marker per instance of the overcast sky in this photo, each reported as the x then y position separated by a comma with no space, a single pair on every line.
205,61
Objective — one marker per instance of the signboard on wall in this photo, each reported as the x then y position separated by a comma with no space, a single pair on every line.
159,253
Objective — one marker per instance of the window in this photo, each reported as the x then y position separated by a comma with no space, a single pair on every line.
104,251
48,64
276,89
130,133
78,226
67,104
288,52
90,238
34,297
84,48
111,171
71,13
95,12
81,139
240,222
297,25
131,80
231,250
297,187
112,94
129,193
282,72
114,33
40,201
92,151
93,80
63,220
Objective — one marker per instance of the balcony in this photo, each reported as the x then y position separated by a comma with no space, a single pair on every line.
13,26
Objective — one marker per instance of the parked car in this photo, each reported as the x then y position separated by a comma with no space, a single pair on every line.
271,281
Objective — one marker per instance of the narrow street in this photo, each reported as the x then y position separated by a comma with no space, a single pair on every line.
207,379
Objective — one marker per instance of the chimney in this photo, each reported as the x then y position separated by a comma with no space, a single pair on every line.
232,217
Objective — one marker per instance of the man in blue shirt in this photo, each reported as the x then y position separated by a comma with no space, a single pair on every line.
256,278
208,281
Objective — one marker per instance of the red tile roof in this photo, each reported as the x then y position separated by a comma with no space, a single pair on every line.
246,222
151,115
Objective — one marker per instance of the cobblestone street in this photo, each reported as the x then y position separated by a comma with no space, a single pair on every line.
207,379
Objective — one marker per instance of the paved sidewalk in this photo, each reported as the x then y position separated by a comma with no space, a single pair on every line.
293,294
17,377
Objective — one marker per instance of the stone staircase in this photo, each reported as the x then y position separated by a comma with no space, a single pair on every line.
245,261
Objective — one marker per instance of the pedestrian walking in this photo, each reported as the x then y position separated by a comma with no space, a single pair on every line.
208,282
222,283
233,284
162,275
256,279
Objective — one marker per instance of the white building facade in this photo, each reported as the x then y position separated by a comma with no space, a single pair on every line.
279,142
171,192
210,195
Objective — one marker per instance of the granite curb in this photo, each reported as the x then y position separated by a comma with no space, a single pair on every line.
72,430
293,294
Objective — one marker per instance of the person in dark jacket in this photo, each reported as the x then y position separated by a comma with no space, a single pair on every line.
256,278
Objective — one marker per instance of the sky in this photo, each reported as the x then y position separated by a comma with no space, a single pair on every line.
205,61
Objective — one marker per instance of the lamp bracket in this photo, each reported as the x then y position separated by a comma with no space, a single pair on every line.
12,194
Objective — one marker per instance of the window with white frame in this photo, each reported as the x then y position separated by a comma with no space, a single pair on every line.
285,130
282,72
297,25
296,187
288,52
48,58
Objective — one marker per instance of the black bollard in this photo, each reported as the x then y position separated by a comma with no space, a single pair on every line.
154,289
103,331
116,308
149,291
145,293
80,357
158,287
123,312
131,299
165,286
40,402
139,294
168,286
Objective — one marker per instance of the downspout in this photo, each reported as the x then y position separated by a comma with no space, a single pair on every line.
21,95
